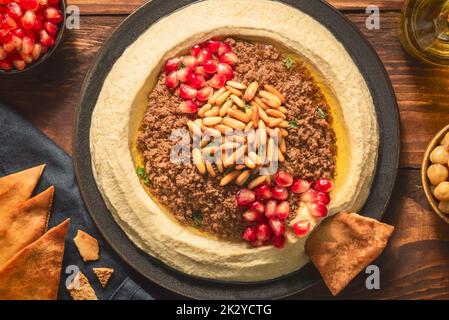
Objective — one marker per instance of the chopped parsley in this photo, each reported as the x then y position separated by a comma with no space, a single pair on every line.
228,171
141,173
289,62
321,113
254,176
197,218
248,107
293,123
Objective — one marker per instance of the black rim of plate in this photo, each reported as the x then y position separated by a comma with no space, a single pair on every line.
383,95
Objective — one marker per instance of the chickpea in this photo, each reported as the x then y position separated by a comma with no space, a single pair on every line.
441,192
439,155
437,173
444,206
445,141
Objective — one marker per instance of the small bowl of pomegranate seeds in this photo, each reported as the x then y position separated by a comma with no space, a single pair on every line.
30,31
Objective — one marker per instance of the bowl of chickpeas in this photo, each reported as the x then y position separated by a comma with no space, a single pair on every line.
435,174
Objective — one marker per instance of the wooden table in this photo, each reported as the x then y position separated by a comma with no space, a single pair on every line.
416,263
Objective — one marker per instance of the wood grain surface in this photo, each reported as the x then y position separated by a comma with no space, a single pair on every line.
416,263
94,7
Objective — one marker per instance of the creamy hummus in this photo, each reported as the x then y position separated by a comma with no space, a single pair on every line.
123,100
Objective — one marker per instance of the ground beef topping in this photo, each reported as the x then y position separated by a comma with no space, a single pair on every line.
198,200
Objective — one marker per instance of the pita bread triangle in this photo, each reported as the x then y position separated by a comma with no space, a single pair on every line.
345,244
34,273
17,187
103,275
24,224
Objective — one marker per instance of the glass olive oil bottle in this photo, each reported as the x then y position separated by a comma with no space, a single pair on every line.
425,30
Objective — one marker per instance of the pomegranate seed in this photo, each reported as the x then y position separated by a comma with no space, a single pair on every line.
50,27
270,208
324,198
46,39
187,92
39,22
9,47
279,241
280,193
188,106
19,64
28,19
283,210
226,70
200,70
210,66
318,209
171,81
218,81
250,234
196,50
300,186
252,216
27,45
324,185
14,10
224,48
213,45
204,55
5,65
229,58
257,206
190,62
3,53
172,65
204,94
263,232
15,41
29,4
277,226
196,81
263,192
4,32
245,197
8,22
257,243
53,15
19,32
183,74
301,228
26,57
37,50
309,196
283,179
50,1
44,49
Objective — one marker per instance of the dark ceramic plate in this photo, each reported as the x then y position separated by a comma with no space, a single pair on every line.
387,115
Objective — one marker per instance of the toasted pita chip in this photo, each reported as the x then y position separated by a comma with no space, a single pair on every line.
87,246
103,275
34,273
24,224
343,245
18,187
80,288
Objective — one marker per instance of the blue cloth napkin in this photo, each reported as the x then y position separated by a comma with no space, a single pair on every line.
23,146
